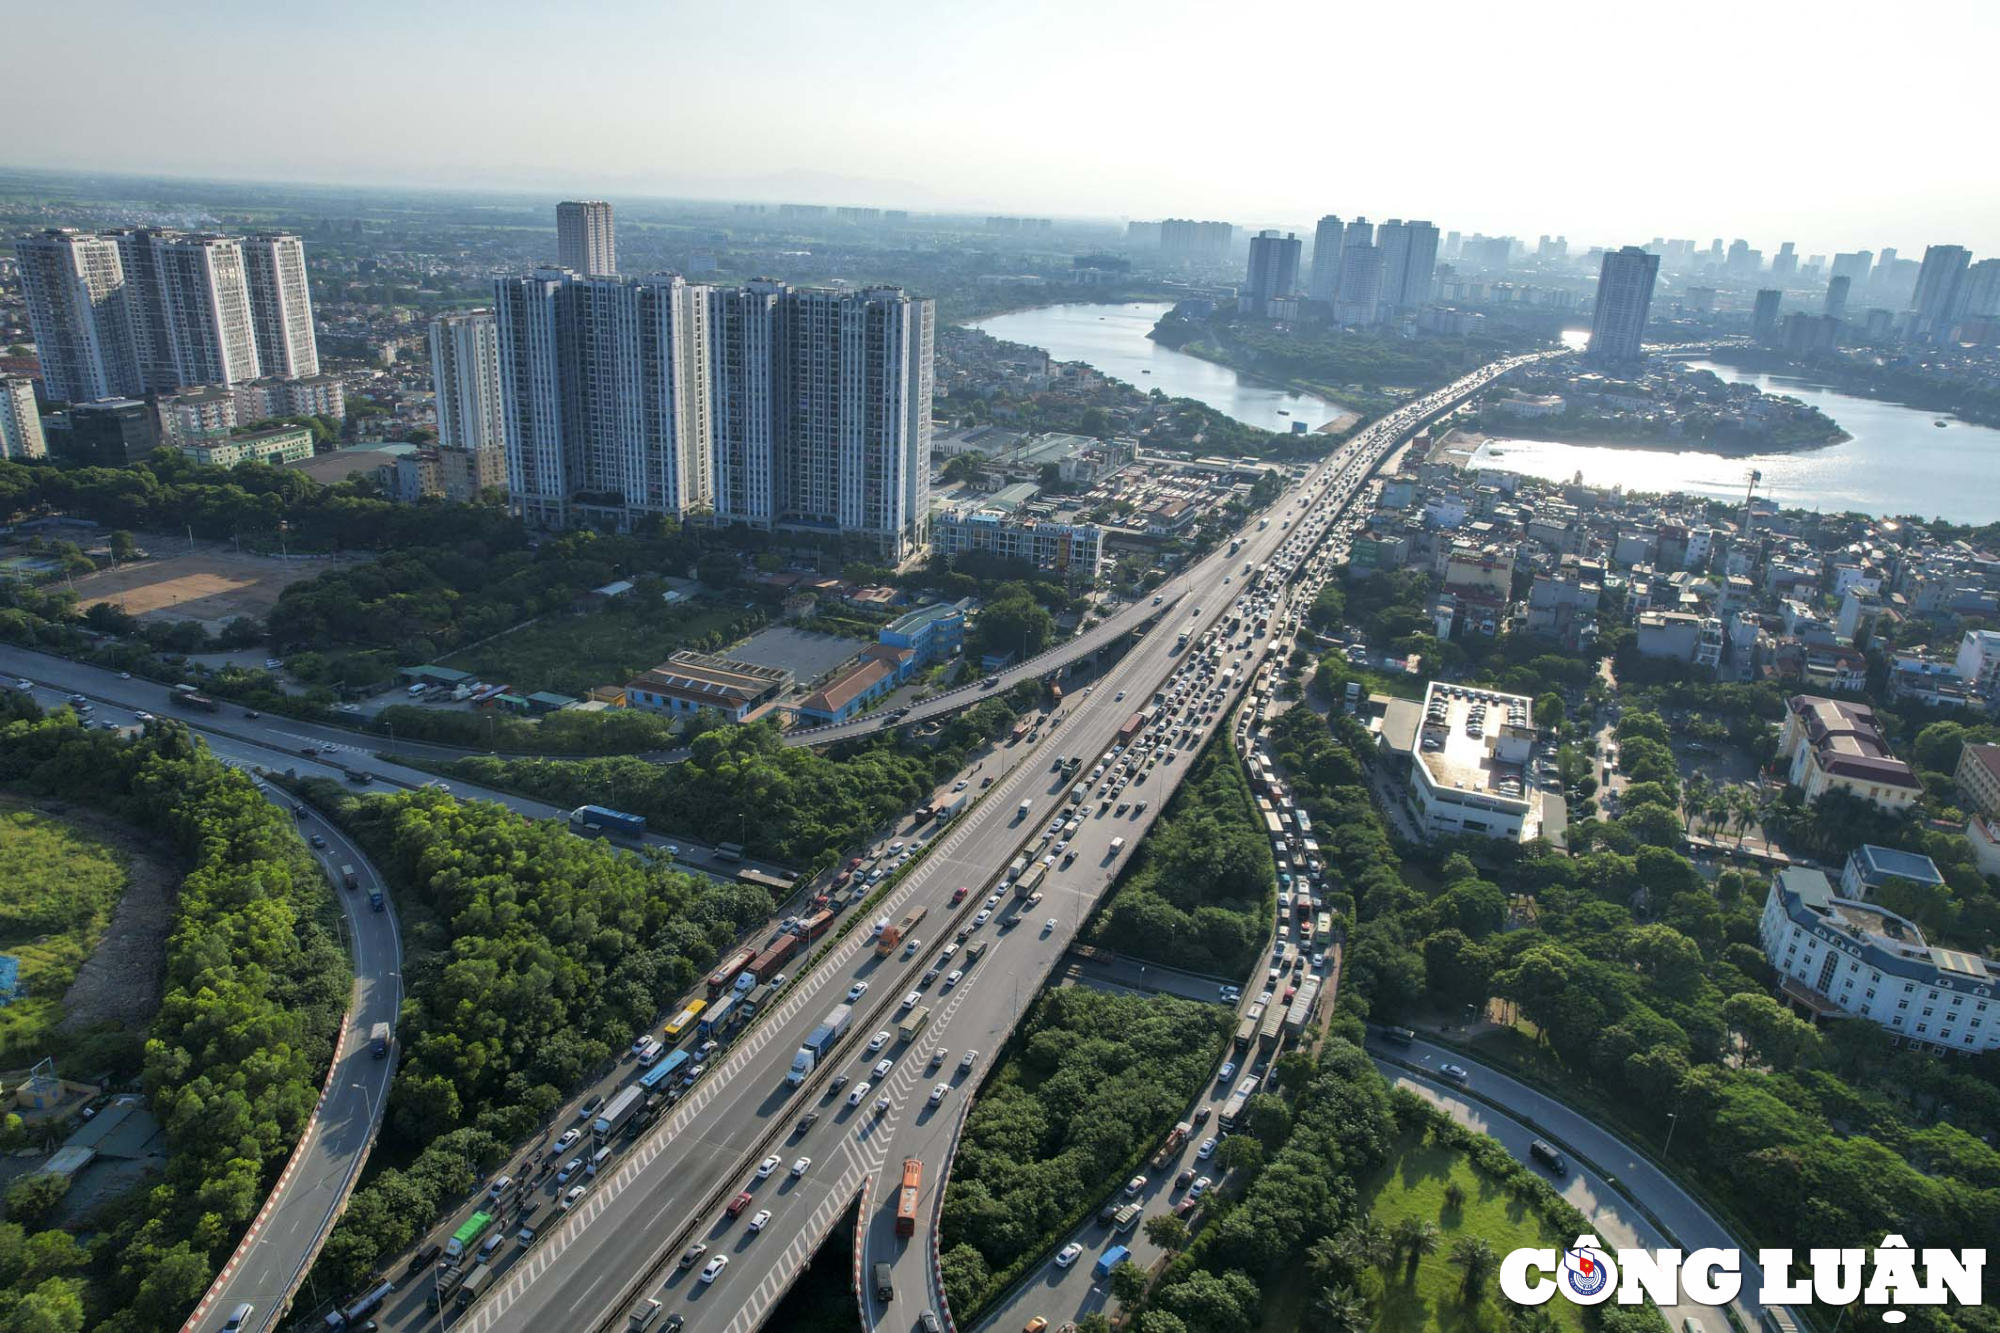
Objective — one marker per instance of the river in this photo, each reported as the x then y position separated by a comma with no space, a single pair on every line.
1897,462
1113,339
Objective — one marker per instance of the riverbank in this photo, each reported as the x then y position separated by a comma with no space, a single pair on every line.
1613,434
1915,388
1351,407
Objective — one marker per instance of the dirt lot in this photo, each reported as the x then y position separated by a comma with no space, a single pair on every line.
211,584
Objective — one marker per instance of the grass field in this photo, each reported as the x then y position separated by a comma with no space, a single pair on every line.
1413,1185
57,892
211,586
570,654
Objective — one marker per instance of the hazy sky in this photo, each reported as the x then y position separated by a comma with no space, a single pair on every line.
1833,124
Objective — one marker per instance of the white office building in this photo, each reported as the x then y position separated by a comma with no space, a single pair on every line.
1072,552
20,421
585,240
281,305
602,390
465,381
1471,754
1842,958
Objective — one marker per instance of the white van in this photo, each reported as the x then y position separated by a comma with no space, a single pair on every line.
598,1160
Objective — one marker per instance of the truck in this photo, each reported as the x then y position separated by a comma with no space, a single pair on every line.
467,1236
378,1040
474,1285
886,942
1078,792
1031,879
1177,1139
617,1111
717,1017
348,879
1109,1260
1246,1032
1023,810
914,1023
593,821
767,964
730,969
187,696
1133,726
819,1042
946,807
1016,866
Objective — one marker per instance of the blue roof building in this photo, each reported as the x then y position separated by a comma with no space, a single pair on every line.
1870,867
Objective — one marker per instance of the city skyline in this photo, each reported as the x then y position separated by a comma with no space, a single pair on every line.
623,141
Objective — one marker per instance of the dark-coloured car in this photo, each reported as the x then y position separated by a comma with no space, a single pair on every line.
423,1259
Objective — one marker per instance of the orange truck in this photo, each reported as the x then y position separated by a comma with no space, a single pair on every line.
886,942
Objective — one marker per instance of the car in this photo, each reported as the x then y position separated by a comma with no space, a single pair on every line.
938,1092
993,902
692,1255
708,1048
860,1093
1048,926
1456,1073
801,1166
1035,1325
1206,1150
570,1168
239,1317
767,1166
928,977
589,1107
966,1061
757,1222
911,999
1201,1115
1184,1179
1135,1184
1200,1187
881,1106
422,1259
1185,1206
571,1199
714,1268
739,1203
878,1041
856,991
896,847
569,1136
500,1187
882,1068
806,1122
1228,1072
644,1313
954,978
958,894
319,843
984,916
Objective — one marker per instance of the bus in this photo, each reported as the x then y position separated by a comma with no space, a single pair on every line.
776,885
683,1022
1031,879
906,1198
1246,1032
1232,1111
664,1071
1323,927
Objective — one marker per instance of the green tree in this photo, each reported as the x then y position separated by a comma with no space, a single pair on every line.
1477,1260
31,1199
1168,1232
1417,1238
1128,1283
1339,1310
1240,1152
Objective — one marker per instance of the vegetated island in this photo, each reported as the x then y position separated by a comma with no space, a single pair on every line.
1667,408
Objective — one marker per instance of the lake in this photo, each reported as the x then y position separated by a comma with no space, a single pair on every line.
1897,462
1112,338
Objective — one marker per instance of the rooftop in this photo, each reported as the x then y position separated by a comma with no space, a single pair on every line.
1875,864
1477,740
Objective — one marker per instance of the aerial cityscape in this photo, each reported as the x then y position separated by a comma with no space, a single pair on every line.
927,701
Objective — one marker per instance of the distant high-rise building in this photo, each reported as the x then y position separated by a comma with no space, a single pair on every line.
1273,273
603,392
1764,321
281,305
20,420
1326,259
1836,296
1143,235
1785,263
585,240
1805,334
1409,257
1452,242
74,284
1360,299
1624,295
1885,264
1187,239
465,381
1739,263
821,408
143,309
1979,293
1853,265
1551,248
1934,308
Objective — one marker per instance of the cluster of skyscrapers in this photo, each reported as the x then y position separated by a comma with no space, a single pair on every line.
616,398
1362,273
141,309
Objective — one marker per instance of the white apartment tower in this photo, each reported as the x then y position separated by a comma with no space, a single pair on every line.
20,421
822,411
1325,284
281,305
205,298
585,242
1409,257
602,386
465,380
74,284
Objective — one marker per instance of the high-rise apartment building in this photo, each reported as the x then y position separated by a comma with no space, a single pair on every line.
20,421
1836,296
1764,319
74,284
1325,283
465,380
1853,265
1409,257
1784,264
1360,281
1273,274
1934,309
603,392
143,309
820,408
281,305
1979,293
1187,239
1624,294
585,242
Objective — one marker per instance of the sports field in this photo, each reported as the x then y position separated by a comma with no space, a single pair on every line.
211,586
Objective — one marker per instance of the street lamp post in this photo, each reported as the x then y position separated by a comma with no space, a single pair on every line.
1673,1123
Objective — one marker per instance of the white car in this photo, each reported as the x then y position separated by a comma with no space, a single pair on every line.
800,1167
882,1068
953,978
1068,1254
1048,926
757,1223
860,1093
856,991
767,1166
938,1092
1206,1150
1135,1184
993,902
713,1269
967,1061
982,917
571,1199
878,1041
911,1000
569,1136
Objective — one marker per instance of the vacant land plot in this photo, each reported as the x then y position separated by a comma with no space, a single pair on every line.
212,586
60,885
569,654
806,655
